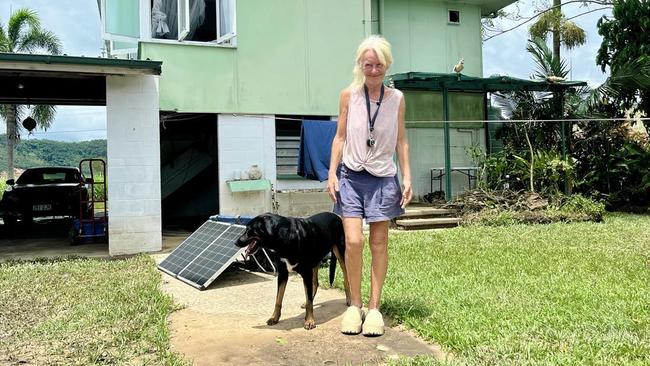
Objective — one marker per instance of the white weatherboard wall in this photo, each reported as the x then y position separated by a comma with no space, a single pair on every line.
134,219
244,141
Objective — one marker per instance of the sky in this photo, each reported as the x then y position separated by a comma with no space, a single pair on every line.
77,24
506,54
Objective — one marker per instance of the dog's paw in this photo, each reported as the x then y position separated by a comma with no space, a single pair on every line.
310,324
272,321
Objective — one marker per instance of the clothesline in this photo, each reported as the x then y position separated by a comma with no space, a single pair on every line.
482,121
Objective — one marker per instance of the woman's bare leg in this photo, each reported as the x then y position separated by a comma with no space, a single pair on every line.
379,251
354,241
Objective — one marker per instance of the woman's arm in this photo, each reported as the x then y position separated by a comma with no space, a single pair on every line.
337,144
403,155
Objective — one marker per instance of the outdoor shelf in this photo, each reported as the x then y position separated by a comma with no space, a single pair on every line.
249,185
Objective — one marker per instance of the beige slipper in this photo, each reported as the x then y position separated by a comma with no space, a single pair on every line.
352,320
374,323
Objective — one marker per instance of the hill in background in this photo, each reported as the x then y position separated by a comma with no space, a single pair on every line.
32,153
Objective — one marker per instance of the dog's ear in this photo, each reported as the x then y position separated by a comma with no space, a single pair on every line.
269,224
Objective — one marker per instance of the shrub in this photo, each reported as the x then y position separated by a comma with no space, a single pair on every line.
579,204
507,169
3,183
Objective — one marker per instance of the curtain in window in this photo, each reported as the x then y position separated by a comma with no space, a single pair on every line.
164,17
226,17
197,16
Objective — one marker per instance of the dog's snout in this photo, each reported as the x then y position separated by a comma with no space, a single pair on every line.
242,240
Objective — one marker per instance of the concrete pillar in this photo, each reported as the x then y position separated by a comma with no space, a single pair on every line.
133,139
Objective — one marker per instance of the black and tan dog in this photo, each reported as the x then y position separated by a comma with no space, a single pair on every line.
301,245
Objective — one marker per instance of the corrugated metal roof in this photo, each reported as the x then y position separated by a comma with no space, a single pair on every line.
147,66
460,82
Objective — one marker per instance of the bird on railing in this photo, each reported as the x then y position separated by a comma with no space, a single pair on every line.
459,66
554,79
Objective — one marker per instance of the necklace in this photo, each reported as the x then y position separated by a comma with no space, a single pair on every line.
371,121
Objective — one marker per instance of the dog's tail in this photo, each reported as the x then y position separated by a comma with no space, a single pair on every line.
332,267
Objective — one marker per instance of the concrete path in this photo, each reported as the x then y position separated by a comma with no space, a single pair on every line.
226,325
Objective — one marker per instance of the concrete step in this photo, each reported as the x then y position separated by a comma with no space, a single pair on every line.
427,223
413,212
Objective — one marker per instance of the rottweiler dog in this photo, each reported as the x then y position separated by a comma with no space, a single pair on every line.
301,245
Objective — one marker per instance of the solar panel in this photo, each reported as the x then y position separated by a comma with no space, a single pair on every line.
205,254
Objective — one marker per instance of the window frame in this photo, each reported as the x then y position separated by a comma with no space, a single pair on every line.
116,37
228,40
449,16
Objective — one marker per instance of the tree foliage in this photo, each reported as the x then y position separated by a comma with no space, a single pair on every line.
625,38
571,35
33,153
24,34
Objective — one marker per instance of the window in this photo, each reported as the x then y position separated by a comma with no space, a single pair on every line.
193,20
453,17
287,144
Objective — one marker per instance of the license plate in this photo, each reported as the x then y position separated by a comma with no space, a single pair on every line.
46,207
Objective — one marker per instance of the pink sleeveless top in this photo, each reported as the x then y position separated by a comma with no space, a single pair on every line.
357,155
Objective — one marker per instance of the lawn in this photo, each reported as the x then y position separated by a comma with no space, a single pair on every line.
558,294
84,311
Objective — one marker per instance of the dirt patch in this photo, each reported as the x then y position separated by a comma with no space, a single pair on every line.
226,325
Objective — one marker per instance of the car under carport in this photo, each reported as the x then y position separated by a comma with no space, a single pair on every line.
129,90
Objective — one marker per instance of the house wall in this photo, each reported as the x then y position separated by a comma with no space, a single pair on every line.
292,57
423,41
245,141
133,145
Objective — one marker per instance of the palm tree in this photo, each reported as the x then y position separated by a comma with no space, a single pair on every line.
562,29
24,34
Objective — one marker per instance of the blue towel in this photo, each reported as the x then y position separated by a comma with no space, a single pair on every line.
315,149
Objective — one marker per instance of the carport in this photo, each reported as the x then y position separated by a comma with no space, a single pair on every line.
129,90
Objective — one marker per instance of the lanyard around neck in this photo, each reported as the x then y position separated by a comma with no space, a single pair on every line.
371,121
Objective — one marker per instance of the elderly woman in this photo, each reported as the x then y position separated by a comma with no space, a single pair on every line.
363,176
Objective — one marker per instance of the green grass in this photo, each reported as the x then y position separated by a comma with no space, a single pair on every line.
84,311
558,294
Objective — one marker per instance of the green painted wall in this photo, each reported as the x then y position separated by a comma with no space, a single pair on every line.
292,57
424,107
422,39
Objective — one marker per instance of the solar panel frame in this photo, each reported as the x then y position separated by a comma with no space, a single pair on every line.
207,238
201,271
185,253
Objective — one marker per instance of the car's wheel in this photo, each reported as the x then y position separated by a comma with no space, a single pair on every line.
28,219
9,221
73,237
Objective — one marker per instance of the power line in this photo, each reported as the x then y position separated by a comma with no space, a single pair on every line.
71,131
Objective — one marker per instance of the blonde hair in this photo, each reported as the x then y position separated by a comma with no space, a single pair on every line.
381,47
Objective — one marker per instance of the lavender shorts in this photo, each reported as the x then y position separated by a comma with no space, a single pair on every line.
364,195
